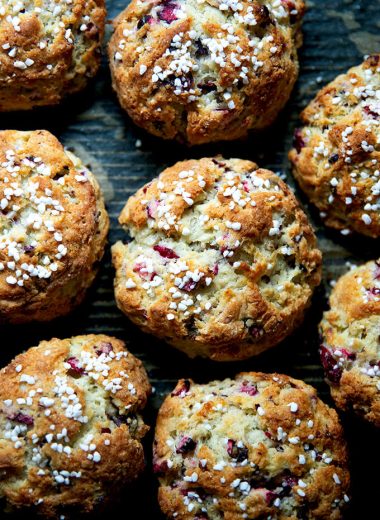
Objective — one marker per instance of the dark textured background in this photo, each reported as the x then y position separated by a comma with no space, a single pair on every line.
337,33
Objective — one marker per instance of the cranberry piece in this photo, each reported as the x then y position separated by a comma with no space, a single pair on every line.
144,20
215,269
140,268
370,112
160,467
376,274
207,87
152,208
29,249
289,482
236,452
190,285
246,186
103,348
75,365
182,389
298,140
270,497
165,252
22,418
167,13
248,388
348,355
105,430
186,444
333,372
201,50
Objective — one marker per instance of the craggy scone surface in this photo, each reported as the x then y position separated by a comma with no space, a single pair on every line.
202,71
70,424
53,227
222,262
350,350
336,155
48,49
257,447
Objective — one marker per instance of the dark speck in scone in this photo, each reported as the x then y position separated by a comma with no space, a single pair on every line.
336,154
276,453
223,261
350,350
70,426
201,71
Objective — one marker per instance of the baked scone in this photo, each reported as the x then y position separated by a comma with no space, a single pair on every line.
350,350
207,70
48,49
70,425
53,227
223,261
336,156
257,447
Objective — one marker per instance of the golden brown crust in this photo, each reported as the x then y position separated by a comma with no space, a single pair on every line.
336,157
258,446
205,71
47,50
350,351
53,227
70,424
223,261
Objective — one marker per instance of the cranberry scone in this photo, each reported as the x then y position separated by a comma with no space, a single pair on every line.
48,50
222,261
258,446
210,70
70,425
53,227
350,350
336,154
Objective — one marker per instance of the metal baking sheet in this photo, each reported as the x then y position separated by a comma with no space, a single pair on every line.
337,33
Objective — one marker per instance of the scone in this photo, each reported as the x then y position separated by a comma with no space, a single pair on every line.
70,425
209,70
222,262
47,50
53,227
261,446
350,350
336,156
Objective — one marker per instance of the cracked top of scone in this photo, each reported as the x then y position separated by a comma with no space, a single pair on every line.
53,226
350,350
222,262
205,70
259,446
70,424
48,49
336,155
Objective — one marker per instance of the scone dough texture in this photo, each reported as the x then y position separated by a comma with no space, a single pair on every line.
70,425
256,447
223,261
53,227
350,350
48,49
210,70
336,155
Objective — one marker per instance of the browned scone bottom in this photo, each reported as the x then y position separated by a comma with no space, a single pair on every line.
205,71
48,49
257,447
350,350
53,227
70,425
336,155
222,262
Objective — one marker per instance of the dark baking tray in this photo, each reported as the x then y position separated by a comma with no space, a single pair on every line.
337,33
